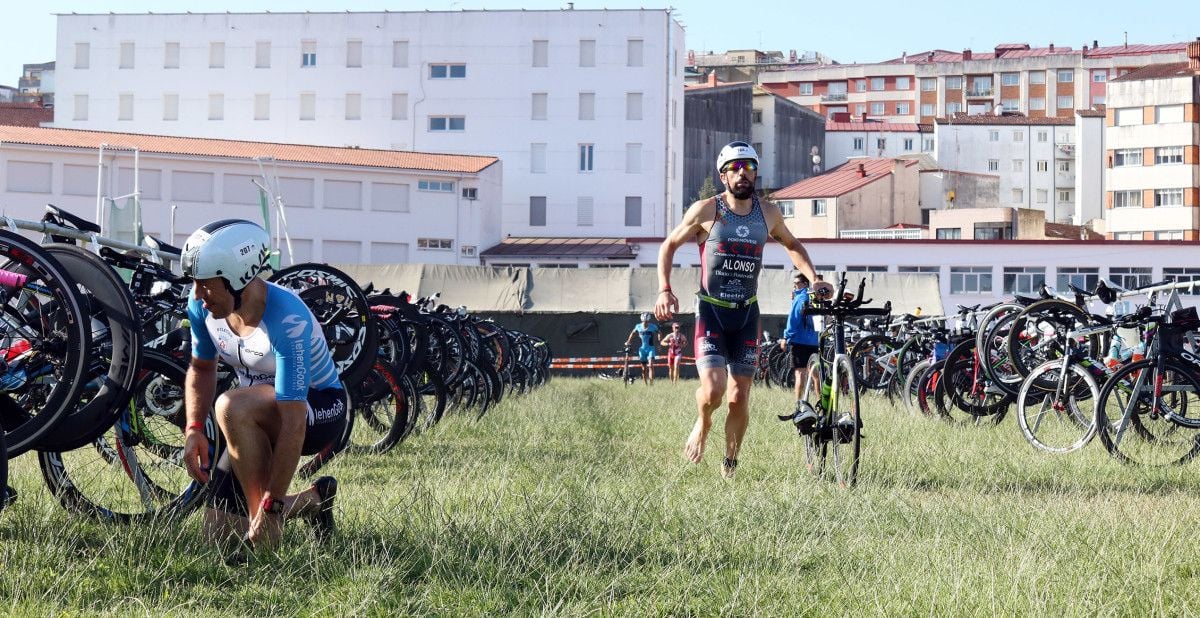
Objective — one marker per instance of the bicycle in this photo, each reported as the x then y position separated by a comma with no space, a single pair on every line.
830,394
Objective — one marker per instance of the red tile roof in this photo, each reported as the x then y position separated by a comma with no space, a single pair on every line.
604,248
1022,50
1137,50
842,179
25,114
1098,112
986,119
877,127
1157,71
326,155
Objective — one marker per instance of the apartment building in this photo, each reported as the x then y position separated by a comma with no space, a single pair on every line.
864,194
583,106
1033,157
37,84
1051,81
1153,148
845,139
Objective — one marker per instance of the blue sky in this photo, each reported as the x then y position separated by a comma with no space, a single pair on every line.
863,31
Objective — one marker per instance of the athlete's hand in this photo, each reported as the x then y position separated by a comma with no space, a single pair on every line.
666,305
195,455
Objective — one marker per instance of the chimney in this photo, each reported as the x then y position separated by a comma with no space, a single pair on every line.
1052,48
862,170
966,54
1085,50
1095,43
931,56
1193,52
903,57
712,77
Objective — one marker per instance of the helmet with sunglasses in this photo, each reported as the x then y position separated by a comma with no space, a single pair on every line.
235,250
735,151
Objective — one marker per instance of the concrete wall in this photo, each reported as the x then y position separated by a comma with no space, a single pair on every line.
796,131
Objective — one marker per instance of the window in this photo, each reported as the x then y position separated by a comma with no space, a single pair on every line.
541,53
436,244
447,71
633,158
1168,155
908,144
262,106
881,143
877,83
1024,279
584,212
1018,165
587,52
353,54
633,211
1180,275
1127,156
860,109
949,233
468,250
838,88
927,144
1127,199
399,54
1066,75
1018,136
860,85
192,186
1010,79
902,83
216,55
1064,195
928,84
866,269
1086,278
1168,113
953,107
902,109
857,144
806,88
587,157
216,106
787,208
29,176
470,193
877,109
83,52
1126,116
1043,196
993,136
342,194
1100,76
447,123
927,109
633,106
1043,136
308,53
540,102
1169,235
1037,103
126,55
1018,197
399,106
81,107
537,210
537,158
756,116
1010,105
919,269
436,186
171,55
1130,277
993,165
170,107
1037,77
954,83
1168,197
1066,102
1043,166
818,208
125,106
353,106
308,106
262,55
993,230
1064,166
633,52
587,106
970,280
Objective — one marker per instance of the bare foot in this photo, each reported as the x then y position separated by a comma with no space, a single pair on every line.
694,449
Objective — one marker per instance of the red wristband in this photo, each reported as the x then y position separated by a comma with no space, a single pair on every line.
198,426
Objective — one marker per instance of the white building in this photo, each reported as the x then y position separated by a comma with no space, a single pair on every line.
847,140
342,205
584,107
1034,158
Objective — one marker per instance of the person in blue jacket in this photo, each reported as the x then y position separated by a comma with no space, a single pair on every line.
801,339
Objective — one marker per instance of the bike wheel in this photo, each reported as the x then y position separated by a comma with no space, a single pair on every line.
353,336
912,386
3,472
1062,420
814,446
1136,430
845,443
384,411
873,367
135,470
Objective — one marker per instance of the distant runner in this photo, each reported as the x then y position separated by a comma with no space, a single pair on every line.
675,341
646,331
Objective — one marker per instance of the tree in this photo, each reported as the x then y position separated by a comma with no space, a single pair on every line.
707,189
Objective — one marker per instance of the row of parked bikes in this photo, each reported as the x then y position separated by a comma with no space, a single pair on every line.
1130,377
95,344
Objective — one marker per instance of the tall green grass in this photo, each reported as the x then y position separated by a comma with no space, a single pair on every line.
576,500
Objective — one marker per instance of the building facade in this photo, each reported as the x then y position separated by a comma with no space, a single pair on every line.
583,106
846,140
786,136
864,194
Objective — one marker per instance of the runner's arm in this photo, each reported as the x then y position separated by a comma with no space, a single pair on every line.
688,230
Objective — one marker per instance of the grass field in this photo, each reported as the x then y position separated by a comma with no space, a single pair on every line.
576,501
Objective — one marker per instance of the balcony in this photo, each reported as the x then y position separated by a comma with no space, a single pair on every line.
979,93
884,234
833,97
1065,151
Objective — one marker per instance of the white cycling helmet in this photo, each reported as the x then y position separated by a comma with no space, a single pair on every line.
734,151
646,316
234,249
